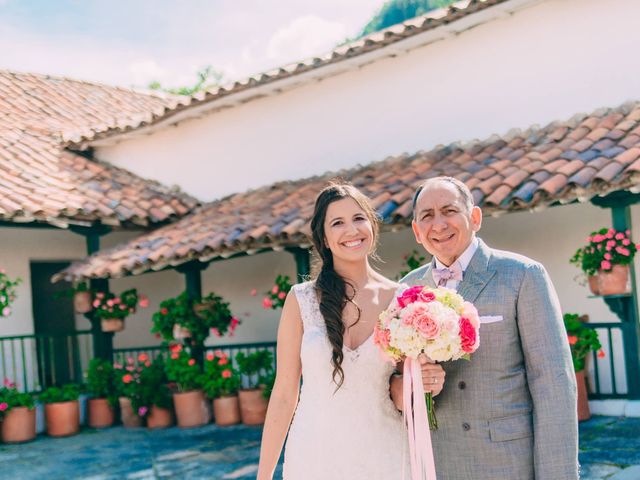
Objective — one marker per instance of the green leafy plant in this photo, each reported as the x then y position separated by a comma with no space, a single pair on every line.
257,364
605,248
152,387
10,398
66,393
7,292
208,78
109,305
220,378
101,380
275,297
210,314
184,371
582,340
411,261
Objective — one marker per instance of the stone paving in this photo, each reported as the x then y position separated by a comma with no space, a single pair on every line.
609,449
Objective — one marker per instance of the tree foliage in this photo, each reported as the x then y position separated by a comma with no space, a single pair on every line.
397,11
207,78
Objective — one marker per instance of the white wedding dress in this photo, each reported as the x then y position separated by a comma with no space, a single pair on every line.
352,433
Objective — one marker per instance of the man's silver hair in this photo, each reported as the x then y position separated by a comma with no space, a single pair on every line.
462,189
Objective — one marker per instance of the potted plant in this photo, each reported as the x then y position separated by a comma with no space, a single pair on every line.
154,401
112,309
189,401
275,297
82,298
128,390
258,368
214,312
582,341
17,414
62,411
605,260
101,386
221,384
181,317
7,292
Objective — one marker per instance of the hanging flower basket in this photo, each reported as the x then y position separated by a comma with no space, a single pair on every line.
180,332
82,302
615,281
112,324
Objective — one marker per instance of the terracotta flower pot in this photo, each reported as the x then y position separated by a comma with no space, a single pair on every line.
253,407
159,417
19,425
226,410
112,324
583,403
615,281
62,418
593,284
101,413
191,408
127,415
179,332
82,302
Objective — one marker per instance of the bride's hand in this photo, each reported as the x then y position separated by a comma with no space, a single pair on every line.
432,375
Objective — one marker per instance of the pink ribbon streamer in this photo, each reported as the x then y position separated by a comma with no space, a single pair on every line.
423,465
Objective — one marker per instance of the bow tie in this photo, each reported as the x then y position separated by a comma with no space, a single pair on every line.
442,275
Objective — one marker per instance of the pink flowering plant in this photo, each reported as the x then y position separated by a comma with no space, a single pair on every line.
7,292
275,297
411,261
220,378
108,305
434,321
605,248
10,398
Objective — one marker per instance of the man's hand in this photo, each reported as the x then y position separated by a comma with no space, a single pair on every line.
432,375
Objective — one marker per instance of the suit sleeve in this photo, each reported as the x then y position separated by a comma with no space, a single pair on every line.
550,376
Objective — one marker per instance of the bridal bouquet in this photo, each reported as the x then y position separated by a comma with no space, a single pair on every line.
436,322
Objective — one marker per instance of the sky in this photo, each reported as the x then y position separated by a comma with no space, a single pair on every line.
131,43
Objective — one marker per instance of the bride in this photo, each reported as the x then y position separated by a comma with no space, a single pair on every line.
345,425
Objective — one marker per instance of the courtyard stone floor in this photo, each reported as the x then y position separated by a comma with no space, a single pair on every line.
609,449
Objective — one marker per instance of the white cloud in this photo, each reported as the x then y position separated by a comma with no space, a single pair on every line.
304,37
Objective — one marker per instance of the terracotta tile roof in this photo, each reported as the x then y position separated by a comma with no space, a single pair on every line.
370,43
41,181
277,216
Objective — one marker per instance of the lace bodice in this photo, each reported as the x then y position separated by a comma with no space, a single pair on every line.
346,433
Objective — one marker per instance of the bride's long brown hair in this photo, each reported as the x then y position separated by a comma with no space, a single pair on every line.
332,289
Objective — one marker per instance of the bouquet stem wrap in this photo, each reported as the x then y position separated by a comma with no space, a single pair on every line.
417,420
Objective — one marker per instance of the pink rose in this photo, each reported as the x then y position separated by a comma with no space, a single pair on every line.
3,406
381,337
426,296
428,327
468,336
410,295
605,265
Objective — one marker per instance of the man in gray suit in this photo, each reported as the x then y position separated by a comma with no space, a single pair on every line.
510,412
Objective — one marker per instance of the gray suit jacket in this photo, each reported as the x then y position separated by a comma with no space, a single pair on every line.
510,412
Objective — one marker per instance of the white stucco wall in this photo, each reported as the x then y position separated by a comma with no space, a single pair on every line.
543,63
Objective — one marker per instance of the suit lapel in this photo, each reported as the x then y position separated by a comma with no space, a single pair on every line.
477,274
427,278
